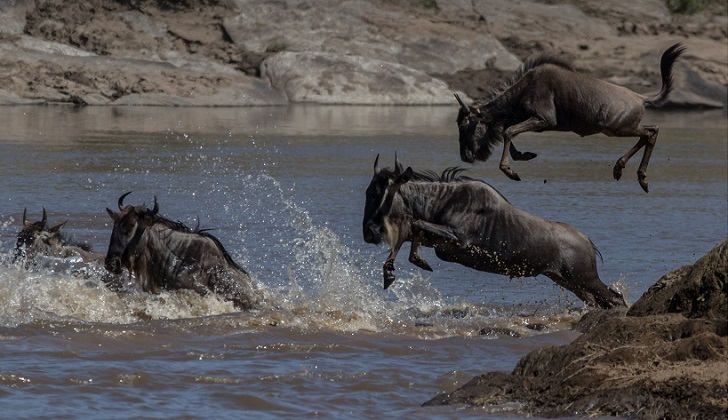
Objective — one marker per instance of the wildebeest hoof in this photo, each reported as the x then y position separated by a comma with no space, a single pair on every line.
643,184
419,262
617,171
523,156
388,279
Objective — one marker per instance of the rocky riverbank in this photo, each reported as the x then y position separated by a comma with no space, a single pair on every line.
666,358
255,52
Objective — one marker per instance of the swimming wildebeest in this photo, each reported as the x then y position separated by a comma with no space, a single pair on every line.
163,254
468,222
547,94
36,239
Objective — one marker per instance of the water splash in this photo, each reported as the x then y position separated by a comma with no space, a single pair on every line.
311,280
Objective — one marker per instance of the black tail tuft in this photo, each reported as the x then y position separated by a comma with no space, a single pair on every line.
669,57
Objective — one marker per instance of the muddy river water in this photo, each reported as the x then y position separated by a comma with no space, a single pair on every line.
283,189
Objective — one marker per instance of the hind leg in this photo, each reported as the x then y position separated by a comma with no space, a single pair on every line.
648,138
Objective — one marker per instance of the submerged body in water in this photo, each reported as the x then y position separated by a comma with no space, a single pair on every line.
161,254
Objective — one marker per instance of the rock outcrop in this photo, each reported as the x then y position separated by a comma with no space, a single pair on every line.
257,52
667,358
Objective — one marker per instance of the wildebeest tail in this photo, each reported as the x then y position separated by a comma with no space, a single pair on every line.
666,63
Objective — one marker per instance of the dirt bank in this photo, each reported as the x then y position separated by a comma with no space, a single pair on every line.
208,52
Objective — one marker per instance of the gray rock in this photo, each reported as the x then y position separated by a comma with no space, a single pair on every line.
359,28
692,91
330,78
539,20
12,15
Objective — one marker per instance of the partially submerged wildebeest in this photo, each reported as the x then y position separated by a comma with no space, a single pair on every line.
547,94
162,254
468,222
36,239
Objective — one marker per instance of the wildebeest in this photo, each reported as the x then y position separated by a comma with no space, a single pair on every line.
548,94
162,254
468,222
36,239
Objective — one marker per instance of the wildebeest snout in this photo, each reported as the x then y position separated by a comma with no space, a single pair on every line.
371,233
113,264
466,155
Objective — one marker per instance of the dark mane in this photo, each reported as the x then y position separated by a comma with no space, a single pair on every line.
451,174
527,66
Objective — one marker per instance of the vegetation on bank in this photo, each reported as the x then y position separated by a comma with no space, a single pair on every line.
689,7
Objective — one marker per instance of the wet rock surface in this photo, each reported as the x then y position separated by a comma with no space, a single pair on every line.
255,52
667,357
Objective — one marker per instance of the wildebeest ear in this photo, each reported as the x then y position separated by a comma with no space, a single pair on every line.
57,227
114,216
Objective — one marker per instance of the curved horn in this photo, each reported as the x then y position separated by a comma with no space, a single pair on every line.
397,165
45,217
462,104
25,210
155,209
376,164
121,200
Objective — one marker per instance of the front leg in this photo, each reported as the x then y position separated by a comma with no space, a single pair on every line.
389,266
438,233
531,124
516,155
414,256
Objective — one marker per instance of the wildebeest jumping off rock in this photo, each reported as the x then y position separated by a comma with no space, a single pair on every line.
163,254
468,222
548,94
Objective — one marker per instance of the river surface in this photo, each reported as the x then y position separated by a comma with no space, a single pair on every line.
283,189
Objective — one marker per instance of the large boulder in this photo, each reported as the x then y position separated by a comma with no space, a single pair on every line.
329,78
366,29
666,359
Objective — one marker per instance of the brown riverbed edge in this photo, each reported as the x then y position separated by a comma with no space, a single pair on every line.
667,357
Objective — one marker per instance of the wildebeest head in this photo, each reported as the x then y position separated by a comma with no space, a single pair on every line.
35,239
129,225
473,129
379,196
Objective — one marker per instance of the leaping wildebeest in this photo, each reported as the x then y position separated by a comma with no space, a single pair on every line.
548,94
37,239
162,254
468,222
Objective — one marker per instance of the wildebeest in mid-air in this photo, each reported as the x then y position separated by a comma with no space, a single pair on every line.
162,254
548,94
468,222
37,239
